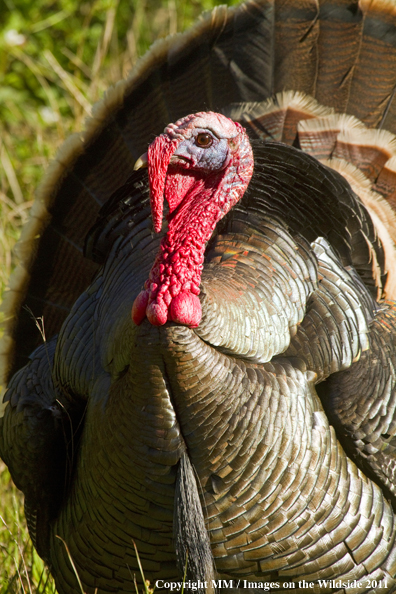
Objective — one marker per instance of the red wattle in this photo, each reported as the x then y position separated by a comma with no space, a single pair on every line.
139,307
157,313
185,308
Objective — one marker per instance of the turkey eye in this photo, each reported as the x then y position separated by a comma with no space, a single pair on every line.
205,140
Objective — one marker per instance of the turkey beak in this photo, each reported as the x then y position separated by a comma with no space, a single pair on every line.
142,162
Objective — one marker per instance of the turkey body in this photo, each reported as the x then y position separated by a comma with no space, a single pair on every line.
213,439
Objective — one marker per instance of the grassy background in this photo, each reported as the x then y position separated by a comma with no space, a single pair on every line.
57,57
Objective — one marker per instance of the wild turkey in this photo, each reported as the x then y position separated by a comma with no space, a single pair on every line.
198,433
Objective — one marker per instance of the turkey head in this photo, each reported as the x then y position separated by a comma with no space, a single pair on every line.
202,166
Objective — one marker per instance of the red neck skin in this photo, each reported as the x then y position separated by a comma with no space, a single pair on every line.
197,202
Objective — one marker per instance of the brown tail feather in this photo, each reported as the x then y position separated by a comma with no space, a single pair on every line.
386,182
296,42
338,46
375,69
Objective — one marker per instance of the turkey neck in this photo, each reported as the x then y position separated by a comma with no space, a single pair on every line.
179,264
197,202
172,289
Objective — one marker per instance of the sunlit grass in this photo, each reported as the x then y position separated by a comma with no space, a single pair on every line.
21,569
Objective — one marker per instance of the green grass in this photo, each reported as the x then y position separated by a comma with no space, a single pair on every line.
57,57
21,569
